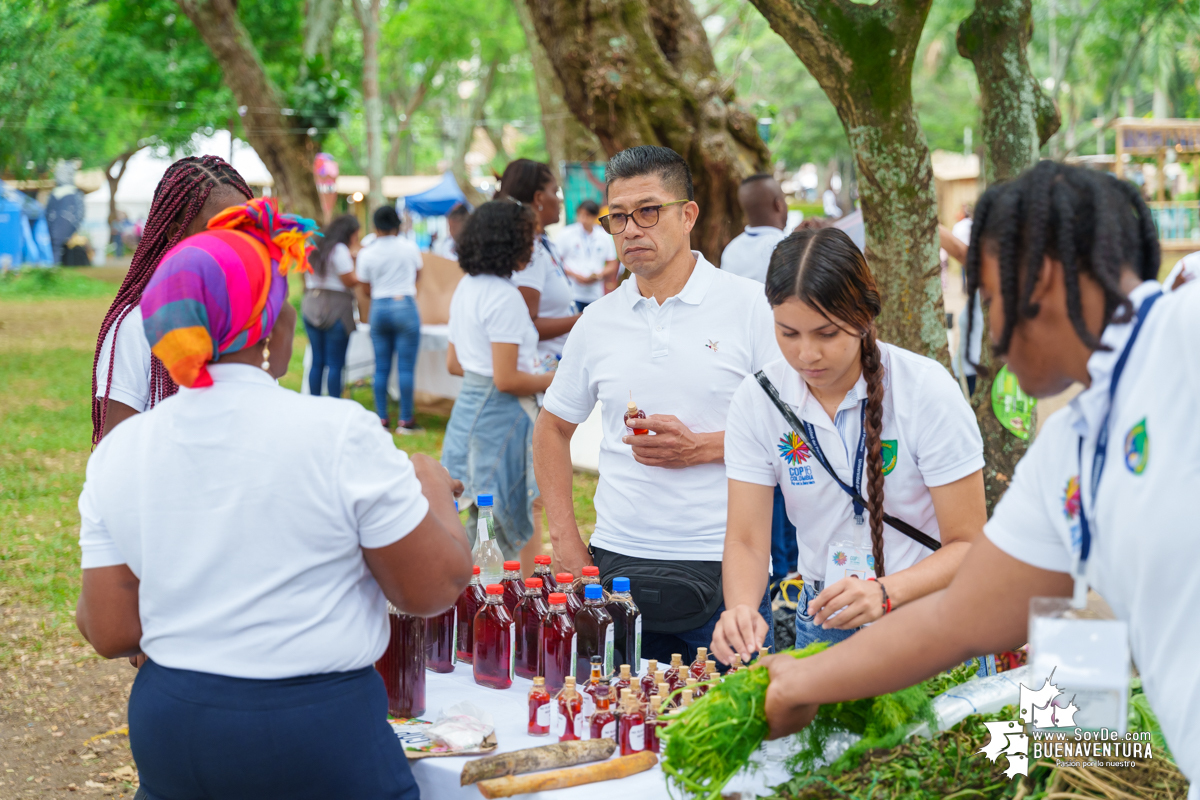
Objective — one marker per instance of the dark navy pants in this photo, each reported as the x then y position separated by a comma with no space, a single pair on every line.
661,645
198,736
785,552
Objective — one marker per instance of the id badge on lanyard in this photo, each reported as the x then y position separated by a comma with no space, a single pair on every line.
851,555
1088,658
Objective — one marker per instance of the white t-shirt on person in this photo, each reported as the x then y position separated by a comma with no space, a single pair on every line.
1142,516
243,509
749,253
545,274
586,253
390,264
685,358
131,364
340,262
487,309
930,438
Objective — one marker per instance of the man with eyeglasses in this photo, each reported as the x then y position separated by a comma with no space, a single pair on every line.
677,339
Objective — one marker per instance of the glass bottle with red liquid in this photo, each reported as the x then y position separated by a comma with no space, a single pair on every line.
623,680
699,668
528,616
566,585
627,625
539,708
468,605
654,724
735,665
594,627
675,673
568,712
494,634
402,665
591,689
439,641
604,721
542,570
631,731
646,683
558,643
514,586
633,413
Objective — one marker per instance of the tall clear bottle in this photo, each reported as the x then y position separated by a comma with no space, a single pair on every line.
487,555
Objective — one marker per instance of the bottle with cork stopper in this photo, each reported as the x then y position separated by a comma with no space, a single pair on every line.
699,668
539,708
633,412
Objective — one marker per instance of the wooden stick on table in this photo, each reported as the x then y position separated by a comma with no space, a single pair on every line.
533,759
564,778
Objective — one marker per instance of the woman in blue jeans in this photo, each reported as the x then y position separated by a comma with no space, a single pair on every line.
328,305
390,265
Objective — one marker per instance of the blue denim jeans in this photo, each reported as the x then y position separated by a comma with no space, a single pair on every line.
662,645
328,353
785,552
395,328
806,631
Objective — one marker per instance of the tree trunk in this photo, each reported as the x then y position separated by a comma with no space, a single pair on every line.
283,151
462,141
367,12
403,109
320,20
566,138
1017,119
862,56
113,183
637,72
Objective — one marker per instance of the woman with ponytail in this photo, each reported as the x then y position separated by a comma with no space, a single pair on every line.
218,542
892,425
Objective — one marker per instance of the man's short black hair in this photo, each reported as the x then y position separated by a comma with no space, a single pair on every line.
386,219
664,162
589,207
460,211
760,176
496,238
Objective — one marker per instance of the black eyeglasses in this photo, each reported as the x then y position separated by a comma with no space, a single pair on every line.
644,217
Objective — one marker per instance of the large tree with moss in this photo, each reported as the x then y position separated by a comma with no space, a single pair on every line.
641,72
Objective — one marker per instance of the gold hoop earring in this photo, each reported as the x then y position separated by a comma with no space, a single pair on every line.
266,365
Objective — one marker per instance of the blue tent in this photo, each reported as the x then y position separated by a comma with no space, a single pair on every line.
24,237
436,201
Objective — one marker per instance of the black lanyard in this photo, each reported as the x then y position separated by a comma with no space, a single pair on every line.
855,490
1101,455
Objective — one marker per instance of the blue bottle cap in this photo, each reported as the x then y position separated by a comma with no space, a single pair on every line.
483,500
593,591
621,585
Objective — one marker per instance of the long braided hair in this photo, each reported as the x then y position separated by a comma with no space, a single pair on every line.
1087,220
825,269
178,199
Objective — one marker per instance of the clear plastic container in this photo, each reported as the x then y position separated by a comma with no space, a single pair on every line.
528,616
558,643
487,555
468,605
402,665
494,634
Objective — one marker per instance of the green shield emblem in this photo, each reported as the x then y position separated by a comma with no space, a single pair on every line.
889,455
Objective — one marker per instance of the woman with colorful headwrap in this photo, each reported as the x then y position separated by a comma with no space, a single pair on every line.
247,539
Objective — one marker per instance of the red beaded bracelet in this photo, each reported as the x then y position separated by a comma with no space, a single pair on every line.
887,601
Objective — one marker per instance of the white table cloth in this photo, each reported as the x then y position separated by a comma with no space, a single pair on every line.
438,778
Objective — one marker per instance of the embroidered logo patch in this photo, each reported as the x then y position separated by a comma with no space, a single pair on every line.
712,345
889,450
1137,448
1071,498
792,450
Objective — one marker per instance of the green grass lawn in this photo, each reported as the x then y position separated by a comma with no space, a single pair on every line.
47,335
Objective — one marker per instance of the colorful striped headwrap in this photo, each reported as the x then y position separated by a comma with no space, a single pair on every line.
220,291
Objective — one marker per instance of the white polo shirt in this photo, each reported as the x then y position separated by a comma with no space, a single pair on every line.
545,274
131,365
930,438
586,254
1143,519
486,309
242,508
685,358
749,253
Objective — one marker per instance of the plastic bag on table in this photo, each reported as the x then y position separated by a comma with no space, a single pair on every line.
462,726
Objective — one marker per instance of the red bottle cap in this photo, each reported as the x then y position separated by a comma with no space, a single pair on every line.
541,559
533,583
474,570
558,598
512,565
590,572
495,588
564,577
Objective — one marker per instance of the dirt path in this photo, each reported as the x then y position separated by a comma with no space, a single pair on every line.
60,708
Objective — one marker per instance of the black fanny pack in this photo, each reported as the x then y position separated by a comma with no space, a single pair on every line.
673,596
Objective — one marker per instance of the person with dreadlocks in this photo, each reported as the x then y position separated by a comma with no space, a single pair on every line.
217,540
893,427
128,379
1066,259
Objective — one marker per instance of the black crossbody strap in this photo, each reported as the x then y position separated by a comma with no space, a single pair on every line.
908,530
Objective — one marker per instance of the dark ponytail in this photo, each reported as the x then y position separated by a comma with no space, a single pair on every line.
826,270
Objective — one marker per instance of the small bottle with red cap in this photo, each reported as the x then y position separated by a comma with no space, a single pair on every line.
514,586
494,635
541,570
558,643
566,585
528,616
467,606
